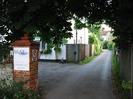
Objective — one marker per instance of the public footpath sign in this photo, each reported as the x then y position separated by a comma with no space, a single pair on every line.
21,58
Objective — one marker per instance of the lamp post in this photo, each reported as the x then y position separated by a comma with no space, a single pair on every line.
76,50
76,36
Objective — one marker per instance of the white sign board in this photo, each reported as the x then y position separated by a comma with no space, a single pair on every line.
21,58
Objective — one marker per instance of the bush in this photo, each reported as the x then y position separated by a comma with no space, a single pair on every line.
116,66
105,45
98,47
127,85
47,51
4,52
108,45
123,87
12,90
57,49
93,39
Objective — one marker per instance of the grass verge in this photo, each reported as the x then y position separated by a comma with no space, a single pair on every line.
87,60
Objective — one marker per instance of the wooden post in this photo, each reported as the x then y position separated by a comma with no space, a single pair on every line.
25,62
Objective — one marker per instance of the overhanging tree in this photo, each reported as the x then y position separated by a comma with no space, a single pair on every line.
50,17
121,21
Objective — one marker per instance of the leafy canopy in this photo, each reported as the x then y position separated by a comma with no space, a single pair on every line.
49,18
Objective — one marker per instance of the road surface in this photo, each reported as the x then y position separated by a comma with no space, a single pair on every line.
73,81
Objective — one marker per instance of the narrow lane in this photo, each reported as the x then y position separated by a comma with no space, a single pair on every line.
72,81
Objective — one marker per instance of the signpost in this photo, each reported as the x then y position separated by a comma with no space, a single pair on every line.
25,62
21,58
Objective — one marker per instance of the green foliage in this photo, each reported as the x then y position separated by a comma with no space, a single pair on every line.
115,67
126,89
13,90
50,18
119,11
116,74
4,51
111,45
47,51
57,49
64,41
95,28
127,85
105,45
123,87
92,39
78,24
98,46
87,60
108,45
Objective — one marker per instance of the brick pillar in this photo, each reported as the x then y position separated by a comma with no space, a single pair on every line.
25,62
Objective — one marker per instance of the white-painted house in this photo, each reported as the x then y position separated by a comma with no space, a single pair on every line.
105,32
81,37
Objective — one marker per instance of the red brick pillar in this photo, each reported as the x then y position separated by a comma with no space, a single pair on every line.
25,62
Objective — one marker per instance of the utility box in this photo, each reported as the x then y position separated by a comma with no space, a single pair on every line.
25,62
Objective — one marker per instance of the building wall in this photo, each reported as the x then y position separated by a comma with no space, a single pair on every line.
82,35
69,52
54,55
82,38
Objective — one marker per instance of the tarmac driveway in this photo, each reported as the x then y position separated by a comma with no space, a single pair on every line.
73,81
